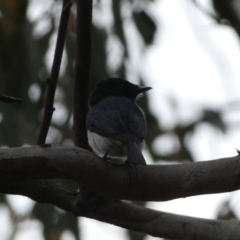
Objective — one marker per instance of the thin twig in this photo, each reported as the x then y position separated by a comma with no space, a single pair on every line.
52,81
82,71
8,99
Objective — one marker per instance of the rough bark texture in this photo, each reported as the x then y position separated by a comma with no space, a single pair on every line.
139,183
23,170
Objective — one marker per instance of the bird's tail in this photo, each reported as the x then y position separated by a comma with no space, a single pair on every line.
134,154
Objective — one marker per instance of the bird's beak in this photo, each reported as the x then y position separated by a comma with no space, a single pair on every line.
143,89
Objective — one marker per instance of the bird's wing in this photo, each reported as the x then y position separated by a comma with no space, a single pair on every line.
117,118
105,123
137,125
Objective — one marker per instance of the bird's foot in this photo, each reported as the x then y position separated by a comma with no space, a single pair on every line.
105,157
132,172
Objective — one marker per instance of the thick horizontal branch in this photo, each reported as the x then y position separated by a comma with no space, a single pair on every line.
141,183
130,216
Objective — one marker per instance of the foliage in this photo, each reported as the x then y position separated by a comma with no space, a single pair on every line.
24,69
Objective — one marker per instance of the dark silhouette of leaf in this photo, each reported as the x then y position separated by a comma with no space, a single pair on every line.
145,25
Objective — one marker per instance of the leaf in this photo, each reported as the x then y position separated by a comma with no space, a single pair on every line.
145,25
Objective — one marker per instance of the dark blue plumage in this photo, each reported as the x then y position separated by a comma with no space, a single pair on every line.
116,125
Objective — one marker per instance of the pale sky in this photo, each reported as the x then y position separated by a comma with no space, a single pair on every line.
195,61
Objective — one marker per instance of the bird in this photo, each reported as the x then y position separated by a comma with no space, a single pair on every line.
116,126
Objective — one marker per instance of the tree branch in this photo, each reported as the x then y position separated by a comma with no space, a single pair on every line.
52,81
82,71
8,99
130,216
161,224
153,182
43,191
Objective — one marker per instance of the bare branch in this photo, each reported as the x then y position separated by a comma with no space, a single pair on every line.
8,99
82,71
130,216
154,182
161,224
52,81
43,191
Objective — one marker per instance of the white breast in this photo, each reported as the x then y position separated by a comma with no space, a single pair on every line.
102,145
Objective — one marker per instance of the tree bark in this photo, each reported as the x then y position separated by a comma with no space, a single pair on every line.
138,183
23,170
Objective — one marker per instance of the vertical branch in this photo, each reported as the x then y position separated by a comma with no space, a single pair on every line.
82,71
52,81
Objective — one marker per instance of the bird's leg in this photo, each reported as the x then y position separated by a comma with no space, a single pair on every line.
132,172
105,158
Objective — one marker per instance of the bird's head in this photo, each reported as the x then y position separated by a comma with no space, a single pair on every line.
115,87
